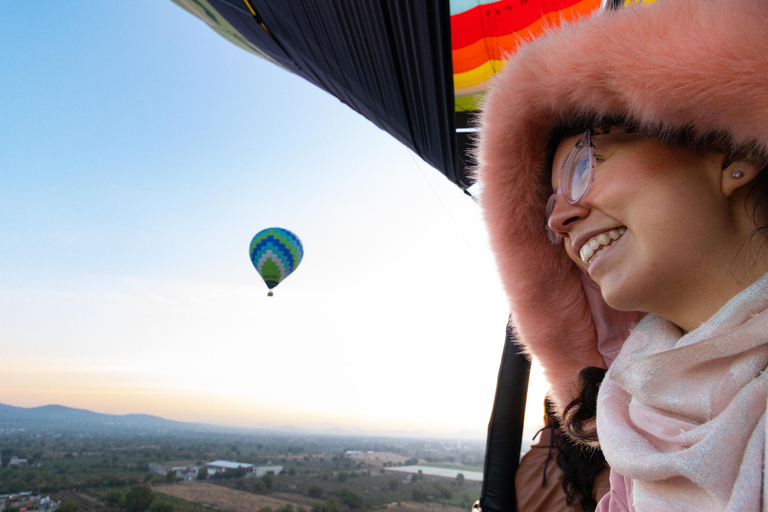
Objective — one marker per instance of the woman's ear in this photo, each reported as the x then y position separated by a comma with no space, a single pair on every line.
737,173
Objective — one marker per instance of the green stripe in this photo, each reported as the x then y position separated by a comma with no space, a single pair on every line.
470,102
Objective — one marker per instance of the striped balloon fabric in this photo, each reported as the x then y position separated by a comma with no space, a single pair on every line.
483,32
275,253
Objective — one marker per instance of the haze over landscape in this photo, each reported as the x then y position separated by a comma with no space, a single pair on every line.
140,153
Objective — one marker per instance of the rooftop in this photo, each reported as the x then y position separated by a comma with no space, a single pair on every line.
228,464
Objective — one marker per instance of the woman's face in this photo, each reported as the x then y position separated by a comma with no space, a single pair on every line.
652,224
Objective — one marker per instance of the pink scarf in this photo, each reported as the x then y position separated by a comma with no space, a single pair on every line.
684,415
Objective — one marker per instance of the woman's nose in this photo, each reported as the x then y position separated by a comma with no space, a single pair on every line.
564,215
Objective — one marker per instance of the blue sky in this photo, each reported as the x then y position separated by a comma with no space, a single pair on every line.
139,153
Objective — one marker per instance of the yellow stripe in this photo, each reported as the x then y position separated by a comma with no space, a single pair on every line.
250,8
478,75
481,87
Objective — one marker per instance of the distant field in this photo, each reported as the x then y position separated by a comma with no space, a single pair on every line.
224,498
456,467
379,458
84,502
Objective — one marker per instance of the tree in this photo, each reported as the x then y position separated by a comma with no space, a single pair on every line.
419,495
202,474
393,484
114,497
5,457
235,473
332,505
444,492
412,462
139,498
341,477
315,491
460,479
351,499
259,487
69,506
268,479
170,476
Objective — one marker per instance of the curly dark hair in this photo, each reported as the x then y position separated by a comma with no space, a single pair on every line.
579,464
579,415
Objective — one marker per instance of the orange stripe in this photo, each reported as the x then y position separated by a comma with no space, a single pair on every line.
497,48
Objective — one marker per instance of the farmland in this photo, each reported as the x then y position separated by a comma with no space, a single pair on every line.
99,471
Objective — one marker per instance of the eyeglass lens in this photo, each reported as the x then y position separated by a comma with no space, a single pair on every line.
554,237
578,172
576,179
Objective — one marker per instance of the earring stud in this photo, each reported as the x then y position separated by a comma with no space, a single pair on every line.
736,175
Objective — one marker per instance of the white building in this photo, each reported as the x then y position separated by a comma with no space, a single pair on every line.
263,470
183,472
220,466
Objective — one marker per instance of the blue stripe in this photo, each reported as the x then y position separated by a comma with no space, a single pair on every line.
277,246
459,6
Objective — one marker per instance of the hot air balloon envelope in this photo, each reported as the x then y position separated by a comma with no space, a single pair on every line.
275,253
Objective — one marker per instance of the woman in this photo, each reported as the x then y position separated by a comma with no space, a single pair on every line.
640,137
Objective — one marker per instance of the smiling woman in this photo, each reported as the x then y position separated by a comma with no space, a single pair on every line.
622,161
644,182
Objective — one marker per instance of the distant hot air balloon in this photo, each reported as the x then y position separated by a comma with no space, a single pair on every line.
275,252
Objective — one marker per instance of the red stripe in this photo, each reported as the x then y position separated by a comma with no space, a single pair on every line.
500,18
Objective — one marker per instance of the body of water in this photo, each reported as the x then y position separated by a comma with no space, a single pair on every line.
476,476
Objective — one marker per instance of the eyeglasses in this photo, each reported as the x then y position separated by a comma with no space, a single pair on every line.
576,176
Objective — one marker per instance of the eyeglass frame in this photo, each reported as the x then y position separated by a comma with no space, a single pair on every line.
584,141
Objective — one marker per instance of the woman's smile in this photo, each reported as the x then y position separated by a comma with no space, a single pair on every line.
593,247
604,252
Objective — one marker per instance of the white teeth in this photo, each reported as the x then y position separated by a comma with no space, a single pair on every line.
596,245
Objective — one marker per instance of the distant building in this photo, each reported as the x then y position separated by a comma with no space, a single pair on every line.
48,504
27,501
186,472
15,461
263,470
220,466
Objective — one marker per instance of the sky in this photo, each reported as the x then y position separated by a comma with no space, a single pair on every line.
139,154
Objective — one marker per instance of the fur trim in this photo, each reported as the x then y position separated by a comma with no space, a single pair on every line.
673,65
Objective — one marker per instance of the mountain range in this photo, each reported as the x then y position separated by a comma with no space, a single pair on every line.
58,418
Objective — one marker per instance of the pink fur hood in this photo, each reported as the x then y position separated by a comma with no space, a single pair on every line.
700,64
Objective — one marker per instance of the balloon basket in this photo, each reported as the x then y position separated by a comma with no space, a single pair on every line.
269,294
